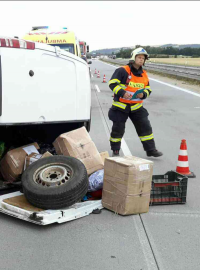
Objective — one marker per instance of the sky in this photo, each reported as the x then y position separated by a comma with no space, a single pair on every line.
107,24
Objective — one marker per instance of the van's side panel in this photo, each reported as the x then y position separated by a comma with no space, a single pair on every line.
83,91
49,95
58,87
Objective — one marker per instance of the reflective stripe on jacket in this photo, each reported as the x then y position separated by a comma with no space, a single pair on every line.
123,106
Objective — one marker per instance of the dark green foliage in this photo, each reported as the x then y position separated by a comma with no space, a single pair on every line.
159,52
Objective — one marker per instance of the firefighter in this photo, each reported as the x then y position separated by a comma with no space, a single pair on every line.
124,82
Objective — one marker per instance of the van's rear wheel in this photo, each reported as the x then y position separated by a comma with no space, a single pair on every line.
55,182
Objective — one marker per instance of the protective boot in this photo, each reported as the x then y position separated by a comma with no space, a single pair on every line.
115,153
154,153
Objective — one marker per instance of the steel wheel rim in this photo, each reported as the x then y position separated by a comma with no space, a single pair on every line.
51,175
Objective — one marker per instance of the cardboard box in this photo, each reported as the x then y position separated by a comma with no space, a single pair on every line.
34,157
127,184
21,202
12,165
104,155
78,144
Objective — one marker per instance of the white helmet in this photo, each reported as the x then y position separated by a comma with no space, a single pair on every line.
139,51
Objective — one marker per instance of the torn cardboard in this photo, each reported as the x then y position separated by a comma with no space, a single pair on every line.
127,184
12,165
78,144
34,157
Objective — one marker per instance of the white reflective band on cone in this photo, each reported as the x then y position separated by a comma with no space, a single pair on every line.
183,153
183,164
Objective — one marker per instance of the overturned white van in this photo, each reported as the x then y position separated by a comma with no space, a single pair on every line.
44,91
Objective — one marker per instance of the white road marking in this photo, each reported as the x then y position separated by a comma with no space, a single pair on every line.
98,90
125,148
146,248
111,65
176,87
92,76
106,126
170,85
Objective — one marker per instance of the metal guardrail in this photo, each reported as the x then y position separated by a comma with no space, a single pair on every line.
181,71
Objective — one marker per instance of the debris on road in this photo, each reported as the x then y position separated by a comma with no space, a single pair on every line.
45,217
12,164
96,181
84,179
96,211
127,185
170,188
78,144
55,182
34,157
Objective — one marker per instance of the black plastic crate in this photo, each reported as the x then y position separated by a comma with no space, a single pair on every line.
170,188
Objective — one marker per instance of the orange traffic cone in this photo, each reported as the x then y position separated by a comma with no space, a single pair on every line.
104,79
95,71
98,75
182,164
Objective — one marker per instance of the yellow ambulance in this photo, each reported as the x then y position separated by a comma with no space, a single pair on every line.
64,38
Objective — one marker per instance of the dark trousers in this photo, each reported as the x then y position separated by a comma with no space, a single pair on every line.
142,125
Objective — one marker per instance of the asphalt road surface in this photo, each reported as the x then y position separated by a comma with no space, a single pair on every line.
165,238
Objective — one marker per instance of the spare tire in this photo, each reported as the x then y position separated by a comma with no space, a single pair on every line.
55,182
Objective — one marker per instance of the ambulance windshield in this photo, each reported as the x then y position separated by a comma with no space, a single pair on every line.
66,47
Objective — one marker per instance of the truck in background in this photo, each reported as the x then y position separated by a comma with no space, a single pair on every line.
63,38
84,48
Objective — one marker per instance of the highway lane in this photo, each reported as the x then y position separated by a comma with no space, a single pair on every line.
174,115
165,238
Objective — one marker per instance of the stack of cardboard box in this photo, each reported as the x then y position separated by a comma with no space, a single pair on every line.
127,180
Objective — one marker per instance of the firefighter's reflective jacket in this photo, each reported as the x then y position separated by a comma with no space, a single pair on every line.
127,78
